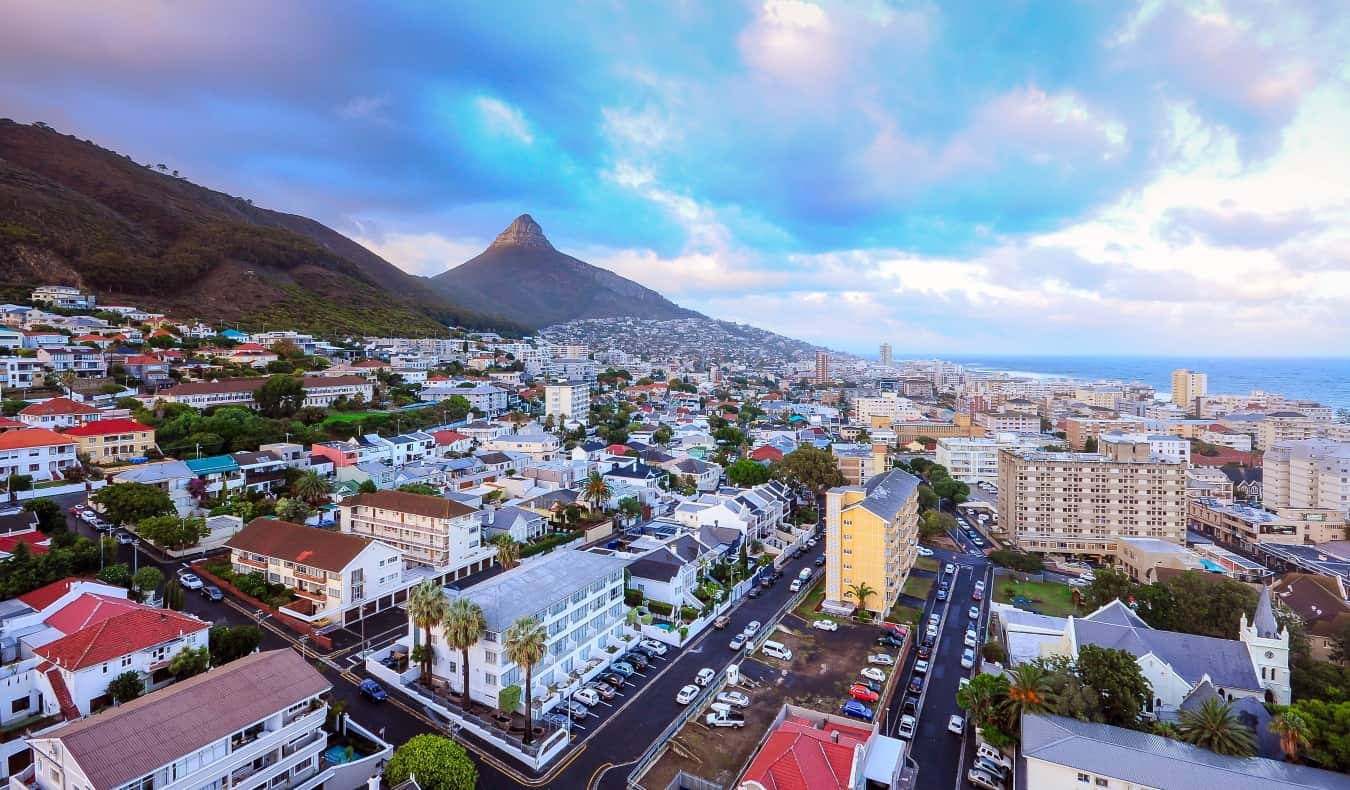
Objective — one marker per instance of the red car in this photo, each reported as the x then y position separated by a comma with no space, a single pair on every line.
863,693
977,595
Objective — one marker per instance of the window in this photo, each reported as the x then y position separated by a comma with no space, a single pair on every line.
1103,782
490,679
490,656
1082,777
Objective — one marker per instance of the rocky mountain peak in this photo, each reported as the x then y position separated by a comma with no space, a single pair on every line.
523,232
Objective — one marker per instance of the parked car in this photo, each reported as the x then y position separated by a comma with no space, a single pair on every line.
983,779
921,667
191,581
911,704
956,724
735,698
916,684
872,684
820,561
971,638
88,516
587,696
373,691
754,592
931,631
906,729
977,596
973,613
614,679
653,646
687,695
624,668
992,768
924,551
738,641
751,628
862,693
721,622
962,683
704,677
127,539
881,659
995,756
949,568
605,690
979,585
872,673
942,594
967,659
212,593
856,710
924,651
637,659
796,585
825,625
886,640
578,711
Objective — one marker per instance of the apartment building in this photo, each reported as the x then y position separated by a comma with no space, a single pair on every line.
1245,526
1160,445
538,446
336,575
859,462
1286,426
577,595
822,369
37,453
63,296
320,391
430,531
888,405
1015,422
490,400
870,536
1077,430
254,722
107,441
572,369
568,402
58,413
1084,503
1187,387
19,373
1307,473
976,460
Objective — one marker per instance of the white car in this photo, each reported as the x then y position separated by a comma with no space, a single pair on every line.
190,581
971,639
921,667
654,646
956,725
88,516
974,613
687,695
796,585
924,551
751,628
704,676
738,641
968,659
979,585
881,659
872,673
962,683
934,618
907,725
588,697
825,625
733,698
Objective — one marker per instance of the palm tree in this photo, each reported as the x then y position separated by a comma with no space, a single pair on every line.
508,550
464,626
1028,692
427,609
597,490
525,645
68,380
311,487
1214,726
860,592
1295,735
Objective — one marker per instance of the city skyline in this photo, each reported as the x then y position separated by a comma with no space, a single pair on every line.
1052,181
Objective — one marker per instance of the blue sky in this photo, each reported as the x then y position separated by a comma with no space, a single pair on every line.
976,177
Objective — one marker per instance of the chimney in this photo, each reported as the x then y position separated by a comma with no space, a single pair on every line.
834,736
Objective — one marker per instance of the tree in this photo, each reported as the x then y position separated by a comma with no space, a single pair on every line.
438,763
367,487
994,652
1029,691
1214,726
1293,731
312,488
147,579
190,661
630,507
1090,444
49,514
932,524
280,396
927,499
982,698
1208,604
419,488
173,532
1340,645
809,466
1109,584
508,551
464,626
126,687
1017,560
131,503
597,490
232,642
860,592
526,644
747,473
426,609
1115,675
118,574
293,510
1329,732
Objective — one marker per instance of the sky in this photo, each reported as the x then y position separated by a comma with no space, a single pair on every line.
969,176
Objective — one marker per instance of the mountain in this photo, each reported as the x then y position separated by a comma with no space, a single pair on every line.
73,213
523,277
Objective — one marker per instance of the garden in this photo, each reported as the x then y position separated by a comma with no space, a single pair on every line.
1049,598
254,585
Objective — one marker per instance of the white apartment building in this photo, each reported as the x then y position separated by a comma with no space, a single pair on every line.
1083,503
538,446
64,296
887,405
491,400
320,391
1009,421
976,460
430,531
334,574
569,402
254,722
572,369
1308,473
577,595
1160,445
83,361
39,453
18,373
1287,427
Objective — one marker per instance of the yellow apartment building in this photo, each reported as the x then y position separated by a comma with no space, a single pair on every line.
871,532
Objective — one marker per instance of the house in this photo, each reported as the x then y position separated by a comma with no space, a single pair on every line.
58,413
83,361
1320,602
105,441
28,534
171,476
38,453
821,751
521,524
670,572
258,720
537,446
430,531
19,373
63,296
149,369
263,470
577,595
452,442
707,476
220,474
320,391
42,338
335,574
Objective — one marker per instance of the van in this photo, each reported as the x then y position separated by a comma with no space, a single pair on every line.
776,650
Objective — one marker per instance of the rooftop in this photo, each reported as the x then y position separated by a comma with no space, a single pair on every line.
138,628
536,584
317,548
405,502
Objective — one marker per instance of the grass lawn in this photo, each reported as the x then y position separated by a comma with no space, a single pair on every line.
807,608
1046,597
927,564
904,614
918,586
350,416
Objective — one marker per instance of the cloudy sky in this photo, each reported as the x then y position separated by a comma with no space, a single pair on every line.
959,176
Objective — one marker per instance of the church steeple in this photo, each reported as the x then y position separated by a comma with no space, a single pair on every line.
1268,646
1264,621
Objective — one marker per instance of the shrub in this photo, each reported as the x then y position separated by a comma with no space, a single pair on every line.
660,607
688,613
632,597
1017,560
994,651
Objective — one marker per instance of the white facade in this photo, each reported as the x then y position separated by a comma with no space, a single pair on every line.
36,452
568,402
888,405
82,361
449,541
1307,474
1170,449
538,446
64,296
976,460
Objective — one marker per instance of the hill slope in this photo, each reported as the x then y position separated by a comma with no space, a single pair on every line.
558,288
74,213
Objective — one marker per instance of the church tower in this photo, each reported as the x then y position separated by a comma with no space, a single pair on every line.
1268,645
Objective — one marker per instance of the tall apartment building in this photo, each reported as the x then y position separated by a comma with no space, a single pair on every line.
887,405
1016,422
976,460
568,402
886,360
870,536
860,462
1084,503
822,367
1308,473
1282,426
431,531
1187,386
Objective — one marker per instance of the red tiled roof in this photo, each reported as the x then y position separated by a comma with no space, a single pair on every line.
32,437
54,677
138,629
370,363
58,406
90,339
797,756
48,594
89,609
11,541
448,437
6,423
104,427
618,449
317,548
144,359
766,453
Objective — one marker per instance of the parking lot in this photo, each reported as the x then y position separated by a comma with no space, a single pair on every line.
624,688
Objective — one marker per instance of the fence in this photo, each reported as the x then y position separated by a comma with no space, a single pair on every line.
70,488
687,781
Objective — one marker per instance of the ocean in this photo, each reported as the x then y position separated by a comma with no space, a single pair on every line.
1326,380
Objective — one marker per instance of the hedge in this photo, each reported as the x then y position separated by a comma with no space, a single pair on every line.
660,607
632,597
547,543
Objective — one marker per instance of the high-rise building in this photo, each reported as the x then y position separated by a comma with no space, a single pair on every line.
1311,473
1187,385
1084,503
870,537
886,354
568,402
822,367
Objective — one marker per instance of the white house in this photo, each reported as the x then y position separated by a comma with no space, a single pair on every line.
431,531
36,452
538,446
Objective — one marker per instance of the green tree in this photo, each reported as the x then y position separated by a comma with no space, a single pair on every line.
232,642
465,624
1208,604
1214,726
1109,584
747,473
118,574
147,579
932,524
1293,731
526,644
126,687
49,514
1340,645
927,499
508,699
367,487
427,609
312,488
280,396
131,503
630,507
173,532
508,550
1329,732
190,661
1017,560
438,763
809,466
983,698
293,510
1115,675
860,592
597,491
1029,691
994,652
420,488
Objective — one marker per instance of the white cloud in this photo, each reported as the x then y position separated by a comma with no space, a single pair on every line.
360,107
504,119
427,254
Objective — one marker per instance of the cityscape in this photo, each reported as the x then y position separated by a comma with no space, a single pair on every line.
533,397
